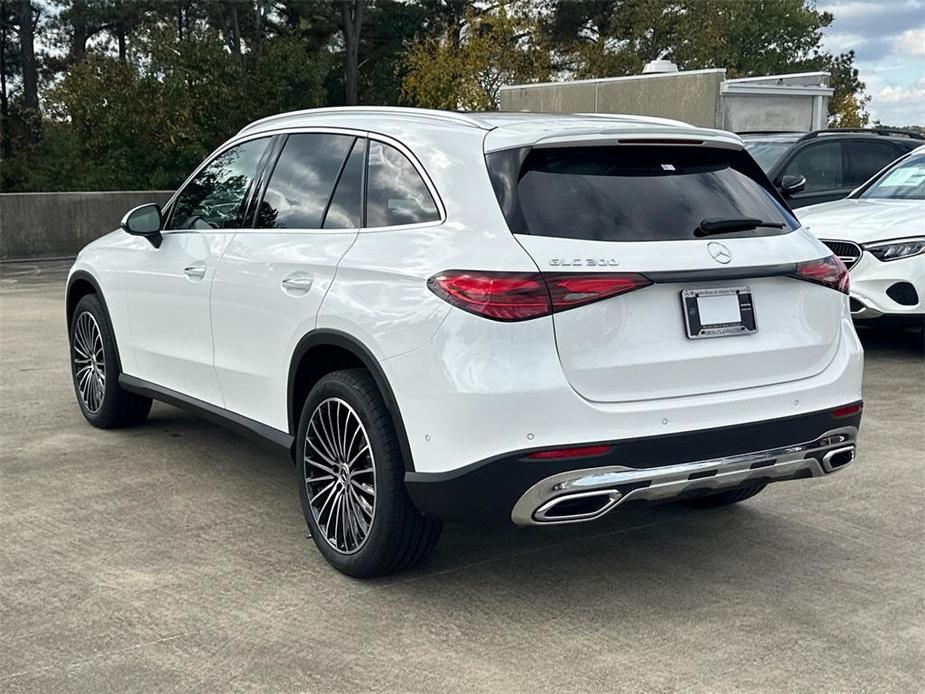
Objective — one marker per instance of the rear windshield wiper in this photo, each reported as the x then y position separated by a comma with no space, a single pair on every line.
709,227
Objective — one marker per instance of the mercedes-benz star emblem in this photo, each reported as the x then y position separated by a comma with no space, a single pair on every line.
719,252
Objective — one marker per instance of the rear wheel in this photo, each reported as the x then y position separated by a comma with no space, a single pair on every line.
351,480
95,370
732,496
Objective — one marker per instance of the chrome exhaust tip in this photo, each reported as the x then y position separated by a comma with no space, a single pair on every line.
838,457
577,507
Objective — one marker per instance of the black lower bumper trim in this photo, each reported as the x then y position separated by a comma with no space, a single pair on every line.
487,490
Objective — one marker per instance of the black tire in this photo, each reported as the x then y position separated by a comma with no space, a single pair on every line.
732,496
115,407
398,535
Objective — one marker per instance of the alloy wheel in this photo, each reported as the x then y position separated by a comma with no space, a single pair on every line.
340,475
89,362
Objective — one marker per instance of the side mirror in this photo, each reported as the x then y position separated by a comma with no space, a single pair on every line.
792,184
144,221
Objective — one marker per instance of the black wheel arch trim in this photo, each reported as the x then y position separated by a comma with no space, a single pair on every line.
84,276
326,337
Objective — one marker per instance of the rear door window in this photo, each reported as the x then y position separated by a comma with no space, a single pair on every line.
631,193
303,180
821,164
867,157
395,192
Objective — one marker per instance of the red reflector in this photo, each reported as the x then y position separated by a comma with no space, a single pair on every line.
582,452
847,410
522,296
829,272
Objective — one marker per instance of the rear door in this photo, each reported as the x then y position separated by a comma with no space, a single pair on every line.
867,156
273,276
633,209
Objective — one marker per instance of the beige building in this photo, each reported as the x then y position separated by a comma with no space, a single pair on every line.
700,97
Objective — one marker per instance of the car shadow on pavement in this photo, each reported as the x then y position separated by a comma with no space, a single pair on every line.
893,342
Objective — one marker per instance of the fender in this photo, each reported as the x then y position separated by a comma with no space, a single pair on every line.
345,341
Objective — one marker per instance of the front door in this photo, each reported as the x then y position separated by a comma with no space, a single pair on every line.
822,164
169,287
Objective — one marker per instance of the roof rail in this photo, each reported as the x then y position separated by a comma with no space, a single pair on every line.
875,131
446,116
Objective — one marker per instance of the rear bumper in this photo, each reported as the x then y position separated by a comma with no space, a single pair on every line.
528,491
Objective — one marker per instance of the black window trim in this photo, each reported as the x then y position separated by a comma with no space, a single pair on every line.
170,205
340,175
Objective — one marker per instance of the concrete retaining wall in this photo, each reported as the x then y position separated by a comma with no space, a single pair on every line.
49,225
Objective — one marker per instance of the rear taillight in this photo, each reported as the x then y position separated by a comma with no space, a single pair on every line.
829,272
507,296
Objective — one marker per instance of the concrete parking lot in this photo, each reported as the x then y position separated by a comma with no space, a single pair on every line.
174,557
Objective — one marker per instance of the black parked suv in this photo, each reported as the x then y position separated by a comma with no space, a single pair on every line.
808,168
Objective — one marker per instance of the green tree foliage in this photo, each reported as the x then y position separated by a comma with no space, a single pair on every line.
134,93
466,66
609,38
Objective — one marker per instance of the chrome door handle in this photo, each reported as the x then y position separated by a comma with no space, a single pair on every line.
297,284
195,272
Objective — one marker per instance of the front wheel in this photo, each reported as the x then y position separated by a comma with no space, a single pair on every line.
95,370
351,480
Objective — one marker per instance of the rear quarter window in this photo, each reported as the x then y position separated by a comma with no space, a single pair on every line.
631,193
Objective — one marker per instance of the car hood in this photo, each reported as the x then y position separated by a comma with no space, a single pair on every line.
864,221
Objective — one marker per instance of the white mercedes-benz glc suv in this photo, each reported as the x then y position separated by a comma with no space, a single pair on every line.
522,317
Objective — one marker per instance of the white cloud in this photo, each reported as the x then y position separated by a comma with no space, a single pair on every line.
892,93
888,37
911,42
900,105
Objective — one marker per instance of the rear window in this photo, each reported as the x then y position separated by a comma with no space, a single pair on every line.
632,193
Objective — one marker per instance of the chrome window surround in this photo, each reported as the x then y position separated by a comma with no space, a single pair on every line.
422,172
776,464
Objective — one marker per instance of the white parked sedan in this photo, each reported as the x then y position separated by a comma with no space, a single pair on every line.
879,233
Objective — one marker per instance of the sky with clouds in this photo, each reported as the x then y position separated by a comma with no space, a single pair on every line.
888,38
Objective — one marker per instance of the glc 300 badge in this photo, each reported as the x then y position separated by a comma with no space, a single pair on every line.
583,262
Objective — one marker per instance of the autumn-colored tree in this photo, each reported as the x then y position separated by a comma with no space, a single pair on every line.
848,105
465,68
